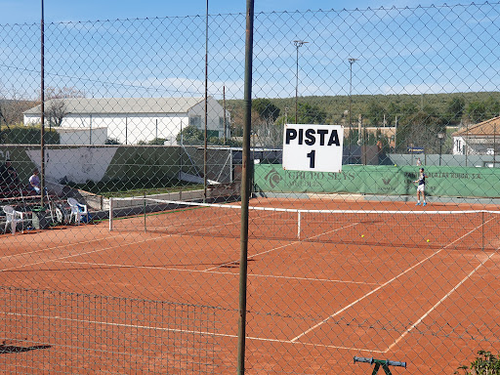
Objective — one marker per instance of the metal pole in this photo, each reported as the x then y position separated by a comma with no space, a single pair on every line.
145,213
298,44
42,108
494,145
297,82
351,62
205,169
245,187
466,144
224,107
441,136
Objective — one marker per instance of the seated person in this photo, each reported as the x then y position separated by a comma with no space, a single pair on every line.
8,174
35,182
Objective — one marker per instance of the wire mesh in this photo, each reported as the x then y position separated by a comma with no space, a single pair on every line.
340,266
78,333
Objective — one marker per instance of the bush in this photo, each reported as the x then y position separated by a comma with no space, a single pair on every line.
485,364
20,134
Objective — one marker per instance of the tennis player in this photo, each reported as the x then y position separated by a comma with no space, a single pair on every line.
421,187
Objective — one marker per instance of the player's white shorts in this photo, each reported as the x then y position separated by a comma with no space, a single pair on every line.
421,188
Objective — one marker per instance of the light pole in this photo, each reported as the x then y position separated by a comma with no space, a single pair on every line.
351,60
297,44
441,136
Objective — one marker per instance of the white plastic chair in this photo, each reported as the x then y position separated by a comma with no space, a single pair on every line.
78,210
12,217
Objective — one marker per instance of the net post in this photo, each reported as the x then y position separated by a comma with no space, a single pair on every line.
110,214
145,216
298,224
482,230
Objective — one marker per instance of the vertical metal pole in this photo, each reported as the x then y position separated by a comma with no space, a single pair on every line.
297,44
466,144
482,227
224,106
110,214
351,60
245,187
297,84
42,108
350,97
298,224
440,150
494,145
145,214
182,161
205,157
395,132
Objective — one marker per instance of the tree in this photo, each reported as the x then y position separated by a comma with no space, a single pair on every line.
112,141
310,114
153,142
56,106
12,107
55,112
266,110
455,110
419,130
492,107
476,111
375,113
265,131
190,135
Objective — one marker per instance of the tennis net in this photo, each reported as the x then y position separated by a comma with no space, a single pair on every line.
471,229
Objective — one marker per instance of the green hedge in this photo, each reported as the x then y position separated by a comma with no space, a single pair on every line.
28,135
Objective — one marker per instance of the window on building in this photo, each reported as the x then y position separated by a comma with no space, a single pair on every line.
195,121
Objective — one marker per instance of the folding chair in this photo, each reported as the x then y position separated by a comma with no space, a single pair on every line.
78,210
12,217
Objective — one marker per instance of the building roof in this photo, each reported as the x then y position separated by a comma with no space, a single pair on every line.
123,105
486,128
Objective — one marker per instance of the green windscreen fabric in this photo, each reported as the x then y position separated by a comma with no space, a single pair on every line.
386,180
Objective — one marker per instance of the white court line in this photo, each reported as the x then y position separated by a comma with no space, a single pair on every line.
378,288
120,245
155,328
176,269
281,247
453,290
294,340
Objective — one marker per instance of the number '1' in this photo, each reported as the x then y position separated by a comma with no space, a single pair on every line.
312,158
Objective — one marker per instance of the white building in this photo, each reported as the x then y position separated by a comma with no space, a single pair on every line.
478,139
133,120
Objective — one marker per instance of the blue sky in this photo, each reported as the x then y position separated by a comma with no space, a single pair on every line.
28,11
408,47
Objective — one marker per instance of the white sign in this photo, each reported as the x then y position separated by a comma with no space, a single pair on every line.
313,147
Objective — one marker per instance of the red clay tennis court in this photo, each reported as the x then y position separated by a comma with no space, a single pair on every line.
383,280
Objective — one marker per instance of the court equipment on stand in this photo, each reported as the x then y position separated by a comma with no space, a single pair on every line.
384,363
62,213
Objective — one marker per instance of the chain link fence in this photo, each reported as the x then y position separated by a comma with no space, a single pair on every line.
143,126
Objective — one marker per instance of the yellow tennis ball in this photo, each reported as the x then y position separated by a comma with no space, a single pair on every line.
362,235
428,240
